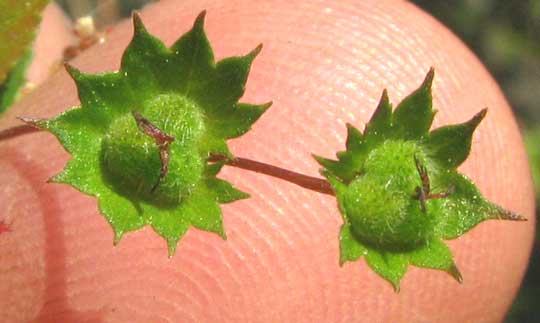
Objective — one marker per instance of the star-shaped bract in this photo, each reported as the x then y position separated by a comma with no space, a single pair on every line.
399,190
182,92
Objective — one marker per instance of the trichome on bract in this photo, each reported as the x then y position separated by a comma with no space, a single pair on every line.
399,190
141,139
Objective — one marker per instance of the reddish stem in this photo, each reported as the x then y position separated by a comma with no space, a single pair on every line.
311,183
17,131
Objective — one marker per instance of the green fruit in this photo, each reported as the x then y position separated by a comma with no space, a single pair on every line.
381,204
130,158
399,192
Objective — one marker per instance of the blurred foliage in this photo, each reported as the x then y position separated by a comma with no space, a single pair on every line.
531,136
11,89
524,308
506,37
19,21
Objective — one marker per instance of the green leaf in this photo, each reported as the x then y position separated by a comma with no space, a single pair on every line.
18,23
203,212
232,125
435,255
123,215
339,187
106,95
350,248
354,138
82,173
381,121
144,62
414,115
349,163
77,129
449,146
10,90
141,139
347,167
392,265
531,137
344,168
465,207
228,83
389,265
192,56
211,144
398,190
223,191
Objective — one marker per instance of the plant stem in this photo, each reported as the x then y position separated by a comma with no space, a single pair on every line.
17,131
311,183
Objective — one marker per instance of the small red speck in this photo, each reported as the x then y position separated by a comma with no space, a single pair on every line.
4,227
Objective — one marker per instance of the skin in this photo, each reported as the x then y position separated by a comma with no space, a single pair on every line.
323,64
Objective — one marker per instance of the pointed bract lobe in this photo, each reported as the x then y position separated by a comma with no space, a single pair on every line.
228,83
435,255
237,123
358,144
381,120
413,116
449,146
143,61
191,100
193,57
347,167
465,207
354,138
105,93
341,169
391,266
350,248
